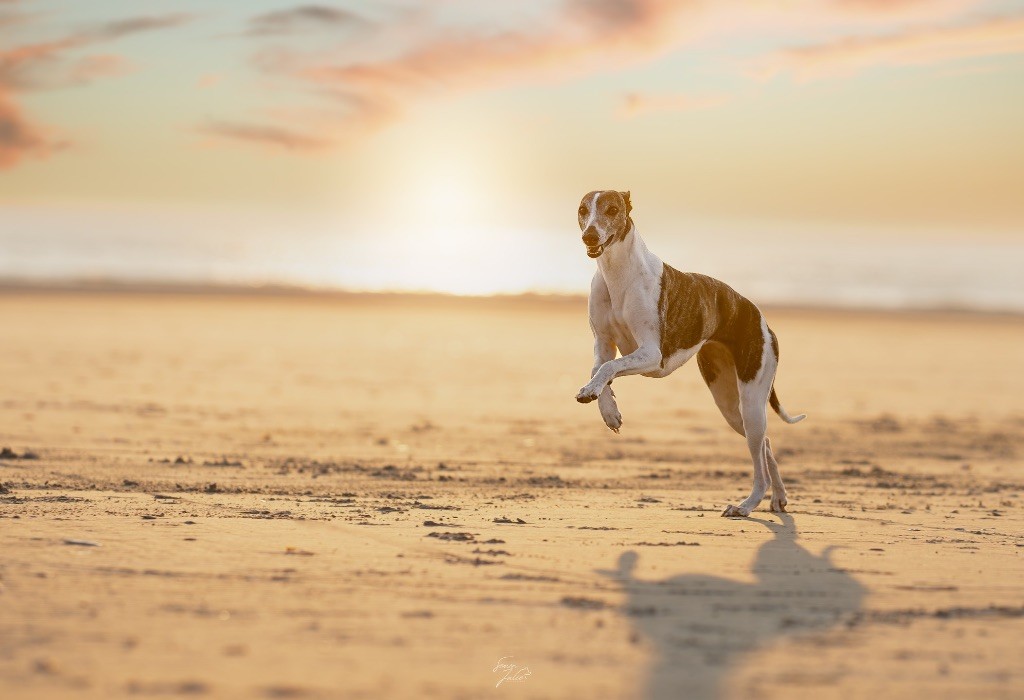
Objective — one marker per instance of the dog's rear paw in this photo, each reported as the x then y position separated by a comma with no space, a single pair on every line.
586,395
778,504
735,512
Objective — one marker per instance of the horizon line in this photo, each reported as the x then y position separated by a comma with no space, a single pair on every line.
110,286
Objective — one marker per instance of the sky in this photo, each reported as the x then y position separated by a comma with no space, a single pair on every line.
444,145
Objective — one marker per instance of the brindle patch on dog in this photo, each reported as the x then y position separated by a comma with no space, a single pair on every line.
696,307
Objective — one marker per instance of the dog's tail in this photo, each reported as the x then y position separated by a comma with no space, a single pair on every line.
773,399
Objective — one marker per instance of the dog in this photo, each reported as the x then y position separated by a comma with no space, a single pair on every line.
658,318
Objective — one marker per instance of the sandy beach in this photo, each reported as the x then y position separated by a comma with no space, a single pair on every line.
395,497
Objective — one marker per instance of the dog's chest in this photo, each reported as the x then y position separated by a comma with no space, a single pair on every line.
633,306
624,339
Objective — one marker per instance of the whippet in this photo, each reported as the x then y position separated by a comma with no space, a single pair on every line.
658,318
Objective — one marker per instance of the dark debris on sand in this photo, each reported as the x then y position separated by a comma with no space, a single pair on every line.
454,536
581,603
680,543
474,562
8,453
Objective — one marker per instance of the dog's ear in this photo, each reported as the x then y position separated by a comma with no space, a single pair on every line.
629,204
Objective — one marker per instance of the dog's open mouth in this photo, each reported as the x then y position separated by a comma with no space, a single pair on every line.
595,251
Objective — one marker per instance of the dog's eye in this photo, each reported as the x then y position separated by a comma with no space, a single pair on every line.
583,211
612,211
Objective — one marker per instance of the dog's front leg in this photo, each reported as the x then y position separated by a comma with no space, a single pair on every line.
646,358
604,350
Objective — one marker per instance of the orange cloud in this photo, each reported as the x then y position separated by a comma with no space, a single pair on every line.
18,138
9,19
46,65
581,37
588,35
585,36
210,80
637,104
900,8
264,134
916,46
97,66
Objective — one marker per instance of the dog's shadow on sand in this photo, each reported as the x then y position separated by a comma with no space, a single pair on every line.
703,627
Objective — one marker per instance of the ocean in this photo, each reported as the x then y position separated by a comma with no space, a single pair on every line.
776,266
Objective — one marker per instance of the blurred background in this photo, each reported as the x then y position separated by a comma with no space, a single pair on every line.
831,152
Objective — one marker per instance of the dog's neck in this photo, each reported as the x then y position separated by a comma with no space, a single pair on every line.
627,258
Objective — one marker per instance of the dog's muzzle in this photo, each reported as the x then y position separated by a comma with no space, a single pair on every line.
595,250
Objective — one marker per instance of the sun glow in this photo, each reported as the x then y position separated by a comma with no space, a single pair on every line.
448,244
448,224
447,196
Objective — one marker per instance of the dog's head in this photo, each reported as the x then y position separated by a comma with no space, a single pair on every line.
604,219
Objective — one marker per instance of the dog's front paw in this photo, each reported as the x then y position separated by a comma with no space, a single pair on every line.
613,419
587,394
735,512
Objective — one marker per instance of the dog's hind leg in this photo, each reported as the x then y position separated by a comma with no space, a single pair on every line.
719,371
755,422
754,409
778,488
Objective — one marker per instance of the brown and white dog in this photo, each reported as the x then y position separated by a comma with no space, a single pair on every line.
658,318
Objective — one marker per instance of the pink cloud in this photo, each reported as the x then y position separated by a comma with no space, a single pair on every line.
210,80
9,19
585,37
915,46
581,37
588,35
48,65
921,9
97,66
637,104
18,138
265,134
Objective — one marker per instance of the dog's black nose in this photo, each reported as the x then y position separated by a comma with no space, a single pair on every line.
590,236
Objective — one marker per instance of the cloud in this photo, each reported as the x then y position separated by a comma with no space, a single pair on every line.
133,25
582,37
301,17
18,138
52,64
22,67
9,19
264,134
93,67
587,36
210,80
380,73
914,46
887,10
46,65
637,104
